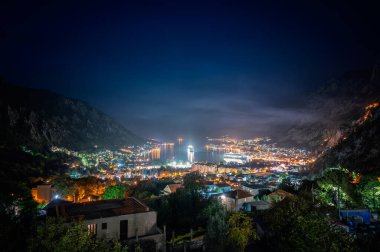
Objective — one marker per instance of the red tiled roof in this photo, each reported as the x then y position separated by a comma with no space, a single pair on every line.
173,187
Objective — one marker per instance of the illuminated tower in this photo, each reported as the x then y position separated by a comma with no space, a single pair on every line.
190,153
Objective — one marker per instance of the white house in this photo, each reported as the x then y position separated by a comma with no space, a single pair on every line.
171,188
124,219
234,200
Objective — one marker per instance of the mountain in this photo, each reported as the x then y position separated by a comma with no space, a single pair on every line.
333,110
38,118
359,150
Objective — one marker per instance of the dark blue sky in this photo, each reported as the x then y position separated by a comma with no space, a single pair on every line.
170,68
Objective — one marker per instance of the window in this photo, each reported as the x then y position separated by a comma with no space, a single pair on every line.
91,229
104,225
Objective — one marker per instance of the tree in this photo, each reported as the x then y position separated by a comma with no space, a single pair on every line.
294,224
65,186
287,185
114,192
180,211
146,189
370,193
18,212
240,231
217,226
314,232
335,188
57,236
193,181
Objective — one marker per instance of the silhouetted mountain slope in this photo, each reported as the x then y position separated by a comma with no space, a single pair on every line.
360,149
332,110
42,118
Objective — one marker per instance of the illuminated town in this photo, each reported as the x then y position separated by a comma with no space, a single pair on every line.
189,126
242,163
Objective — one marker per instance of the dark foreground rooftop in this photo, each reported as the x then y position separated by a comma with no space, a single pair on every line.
96,209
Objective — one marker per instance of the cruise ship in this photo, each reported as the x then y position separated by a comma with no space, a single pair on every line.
234,158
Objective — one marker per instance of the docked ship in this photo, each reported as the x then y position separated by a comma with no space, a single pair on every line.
234,158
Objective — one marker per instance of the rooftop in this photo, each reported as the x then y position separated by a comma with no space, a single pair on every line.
174,187
222,185
101,209
240,194
254,186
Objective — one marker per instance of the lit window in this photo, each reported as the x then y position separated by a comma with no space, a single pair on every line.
91,229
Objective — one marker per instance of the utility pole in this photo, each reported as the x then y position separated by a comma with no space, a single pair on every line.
373,198
339,202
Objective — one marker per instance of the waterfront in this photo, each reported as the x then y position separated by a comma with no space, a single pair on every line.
169,152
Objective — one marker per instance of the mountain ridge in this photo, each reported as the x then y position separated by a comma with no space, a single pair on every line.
39,117
334,109
359,149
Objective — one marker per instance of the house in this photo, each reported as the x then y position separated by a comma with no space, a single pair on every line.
209,186
223,187
278,195
171,188
42,193
356,215
235,200
122,219
254,189
258,205
211,189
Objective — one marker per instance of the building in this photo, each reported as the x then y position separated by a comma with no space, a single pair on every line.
259,205
356,215
171,188
204,167
124,219
212,168
223,187
254,189
42,193
211,189
235,200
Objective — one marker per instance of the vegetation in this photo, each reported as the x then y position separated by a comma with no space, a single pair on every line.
114,192
304,222
193,182
240,230
336,188
339,187
217,226
369,190
180,211
186,237
17,209
287,185
295,224
17,215
55,235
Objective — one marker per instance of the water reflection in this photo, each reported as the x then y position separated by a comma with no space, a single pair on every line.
182,152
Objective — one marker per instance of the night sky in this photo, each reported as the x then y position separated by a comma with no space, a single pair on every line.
174,68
